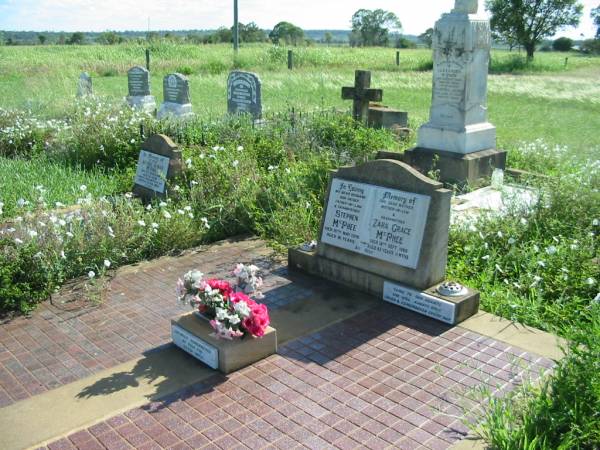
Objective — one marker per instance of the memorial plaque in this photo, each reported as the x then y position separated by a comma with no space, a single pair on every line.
384,223
152,171
195,346
176,89
138,81
420,302
244,94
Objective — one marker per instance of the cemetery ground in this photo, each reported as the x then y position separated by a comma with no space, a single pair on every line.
537,267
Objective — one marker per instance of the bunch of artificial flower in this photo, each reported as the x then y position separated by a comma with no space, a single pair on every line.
231,312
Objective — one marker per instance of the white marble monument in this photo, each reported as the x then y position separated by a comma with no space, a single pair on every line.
458,116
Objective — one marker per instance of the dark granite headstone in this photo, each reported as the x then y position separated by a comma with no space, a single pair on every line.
176,89
138,81
159,161
244,94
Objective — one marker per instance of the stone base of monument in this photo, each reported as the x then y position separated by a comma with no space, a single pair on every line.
192,334
146,103
470,168
176,110
429,302
384,117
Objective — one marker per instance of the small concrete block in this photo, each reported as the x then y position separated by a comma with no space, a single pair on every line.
383,117
234,354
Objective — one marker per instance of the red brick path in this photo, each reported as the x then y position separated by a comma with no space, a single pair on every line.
389,379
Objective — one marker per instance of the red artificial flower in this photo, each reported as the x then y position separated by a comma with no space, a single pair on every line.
221,285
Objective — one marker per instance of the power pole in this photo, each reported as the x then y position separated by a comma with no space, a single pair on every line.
236,35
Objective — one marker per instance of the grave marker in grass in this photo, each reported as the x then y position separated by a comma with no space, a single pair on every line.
384,231
244,94
84,85
159,161
176,97
361,94
138,83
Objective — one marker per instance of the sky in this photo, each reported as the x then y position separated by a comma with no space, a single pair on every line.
101,15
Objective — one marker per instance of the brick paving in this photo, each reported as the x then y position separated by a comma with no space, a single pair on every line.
387,379
59,345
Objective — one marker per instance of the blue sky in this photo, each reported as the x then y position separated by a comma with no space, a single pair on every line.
101,15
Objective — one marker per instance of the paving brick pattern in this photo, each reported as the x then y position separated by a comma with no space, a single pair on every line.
59,345
389,379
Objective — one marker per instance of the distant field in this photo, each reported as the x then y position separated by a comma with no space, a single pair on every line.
546,100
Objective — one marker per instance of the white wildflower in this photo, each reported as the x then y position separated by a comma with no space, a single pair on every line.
595,222
32,233
167,214
107,263
511,241
83,188
204,220
485,257
541,263
141,223
500,234
91,274
240,148
18,241
551,250
235,163
590,281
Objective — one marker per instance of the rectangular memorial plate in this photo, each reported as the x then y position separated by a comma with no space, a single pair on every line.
195,346
420,302
152,171
376,221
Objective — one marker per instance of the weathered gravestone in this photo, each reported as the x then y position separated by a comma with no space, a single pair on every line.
385,232
244,94
138,83
361,94
458,140
159,161
383,117
176,97
84,85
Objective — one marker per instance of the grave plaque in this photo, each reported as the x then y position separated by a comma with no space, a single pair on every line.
84,85
176,95
244,94
196,347
138,81
384,231
159,161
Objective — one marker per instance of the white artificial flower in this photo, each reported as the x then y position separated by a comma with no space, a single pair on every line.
91,274
242,308
107,263
234,319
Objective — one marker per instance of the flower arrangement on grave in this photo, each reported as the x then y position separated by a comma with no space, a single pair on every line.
232,313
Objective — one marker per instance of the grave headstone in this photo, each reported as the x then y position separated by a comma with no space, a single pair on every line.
361,94
138,83
244,94
84,85
159,161
384,231
176,97
458,135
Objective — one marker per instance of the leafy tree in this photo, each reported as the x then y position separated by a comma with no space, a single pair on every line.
373,26
328,38
427,37
41,39
527,22
402,42
110,38
562,44
596,18
76,38
251,33
287,32
591,46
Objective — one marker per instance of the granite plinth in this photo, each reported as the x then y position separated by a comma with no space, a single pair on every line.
383,117
231,355
470,139
176,110
471,168
145,103
429,302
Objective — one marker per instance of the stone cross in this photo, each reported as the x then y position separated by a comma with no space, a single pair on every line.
361,94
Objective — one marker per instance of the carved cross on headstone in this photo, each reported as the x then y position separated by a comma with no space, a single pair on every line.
361,94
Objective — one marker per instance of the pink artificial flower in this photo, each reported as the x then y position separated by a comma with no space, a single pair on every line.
221,285
180,290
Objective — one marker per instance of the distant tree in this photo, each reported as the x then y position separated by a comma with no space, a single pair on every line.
596,18
10,41
427,37
76,38
41,39
562,44
529,22
591,46
288,33
251,33
328,38
373,26
402,42
152,36
61,39
110,38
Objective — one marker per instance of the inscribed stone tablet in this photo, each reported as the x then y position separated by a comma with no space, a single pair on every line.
387,224
176,89
138,80
152,171
244,94
196,347
420,302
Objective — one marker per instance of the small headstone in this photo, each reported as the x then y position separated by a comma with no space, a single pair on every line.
361,94
176,97
385,231
84,85
384,117
244,94
159,161
138,82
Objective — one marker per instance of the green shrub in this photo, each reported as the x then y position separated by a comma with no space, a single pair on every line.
562,44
